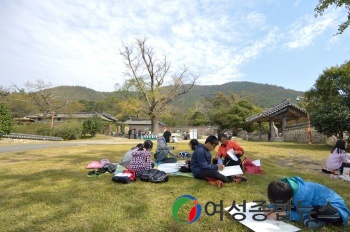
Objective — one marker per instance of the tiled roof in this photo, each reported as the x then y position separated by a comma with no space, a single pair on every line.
110,116
81,115
271,111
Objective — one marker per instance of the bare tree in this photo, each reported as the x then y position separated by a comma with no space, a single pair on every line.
148,75
41,96
4,92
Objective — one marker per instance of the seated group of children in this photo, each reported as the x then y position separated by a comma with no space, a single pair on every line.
311,203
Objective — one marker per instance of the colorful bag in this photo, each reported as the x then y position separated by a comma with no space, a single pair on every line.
250,168
104,161
130,174
125,177
94,164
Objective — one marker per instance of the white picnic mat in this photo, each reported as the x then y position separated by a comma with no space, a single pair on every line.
175,167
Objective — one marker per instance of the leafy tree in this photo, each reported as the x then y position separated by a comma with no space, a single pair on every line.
230,112
199,114
129,107
90,106
147,74
199,119
93,125
73,107
328,102
173,116
324,4
6,119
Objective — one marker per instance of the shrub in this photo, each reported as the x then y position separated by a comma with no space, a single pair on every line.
32,128
93,125
6,120
68,130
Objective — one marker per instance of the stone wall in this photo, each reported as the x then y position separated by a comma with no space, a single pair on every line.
254,136
295,134
299,135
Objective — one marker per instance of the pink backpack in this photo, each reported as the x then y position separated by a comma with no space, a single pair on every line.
94,164
104,161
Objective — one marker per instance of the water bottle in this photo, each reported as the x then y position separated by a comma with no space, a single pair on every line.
219,161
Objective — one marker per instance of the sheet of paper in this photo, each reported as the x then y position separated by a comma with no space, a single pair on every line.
232,155
168,167
256,162
261,226
123,174
231,170
181,163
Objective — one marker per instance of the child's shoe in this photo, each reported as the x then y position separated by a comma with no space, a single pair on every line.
314,223
334,176
237,178
217,183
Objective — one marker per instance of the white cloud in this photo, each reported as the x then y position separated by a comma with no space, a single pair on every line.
77,42
297,3
308,28
303,35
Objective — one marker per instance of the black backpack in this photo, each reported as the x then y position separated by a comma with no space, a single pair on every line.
154,175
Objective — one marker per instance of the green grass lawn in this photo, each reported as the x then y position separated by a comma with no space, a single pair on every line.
48,189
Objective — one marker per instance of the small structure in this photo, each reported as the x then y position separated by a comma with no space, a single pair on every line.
142,124
278,117
24,120
61,117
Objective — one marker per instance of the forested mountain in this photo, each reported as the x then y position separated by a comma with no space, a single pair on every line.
261,95
76,93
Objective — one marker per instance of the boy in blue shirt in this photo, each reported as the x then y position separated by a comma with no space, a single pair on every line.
313,204
202,168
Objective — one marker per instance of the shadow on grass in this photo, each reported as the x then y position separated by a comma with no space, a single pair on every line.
313,147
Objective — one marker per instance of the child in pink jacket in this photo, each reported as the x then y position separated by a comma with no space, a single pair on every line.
338,159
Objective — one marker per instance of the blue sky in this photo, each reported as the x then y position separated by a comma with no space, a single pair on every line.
77,42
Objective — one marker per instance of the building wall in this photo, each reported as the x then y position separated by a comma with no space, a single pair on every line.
254,137
138,127
202,131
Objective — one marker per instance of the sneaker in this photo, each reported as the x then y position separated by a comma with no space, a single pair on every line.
314,223
101,171
217,183
92,174
334,176
335,172
326,171
238,179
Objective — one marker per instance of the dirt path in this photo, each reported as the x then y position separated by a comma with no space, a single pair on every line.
303,162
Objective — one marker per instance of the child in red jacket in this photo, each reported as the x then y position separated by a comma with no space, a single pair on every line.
231,147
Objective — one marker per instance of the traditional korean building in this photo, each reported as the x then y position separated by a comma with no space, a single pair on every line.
280,117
